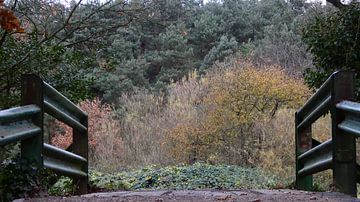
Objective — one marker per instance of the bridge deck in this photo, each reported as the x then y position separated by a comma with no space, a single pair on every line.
206,195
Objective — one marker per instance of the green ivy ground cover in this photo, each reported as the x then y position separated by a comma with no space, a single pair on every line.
197,176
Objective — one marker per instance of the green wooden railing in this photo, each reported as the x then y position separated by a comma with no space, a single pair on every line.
25,124
336,96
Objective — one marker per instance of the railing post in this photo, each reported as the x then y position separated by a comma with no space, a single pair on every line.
344,148
303,142
80,147
32,93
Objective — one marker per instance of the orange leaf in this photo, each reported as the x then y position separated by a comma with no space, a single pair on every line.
8,20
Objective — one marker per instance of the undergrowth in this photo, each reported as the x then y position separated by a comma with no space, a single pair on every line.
196,176
20,178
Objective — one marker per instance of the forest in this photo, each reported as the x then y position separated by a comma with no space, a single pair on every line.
170,83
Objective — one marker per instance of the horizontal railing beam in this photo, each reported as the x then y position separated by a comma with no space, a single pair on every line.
52,151
64,168
17,131
18,113
349,106
316,167
324,147
320,110
316,159
62,116
63,101
314,100
350,126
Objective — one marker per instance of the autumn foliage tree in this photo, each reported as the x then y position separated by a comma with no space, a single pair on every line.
210,118
235,97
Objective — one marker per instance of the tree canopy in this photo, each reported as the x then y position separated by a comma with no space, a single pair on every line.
333,40
109,48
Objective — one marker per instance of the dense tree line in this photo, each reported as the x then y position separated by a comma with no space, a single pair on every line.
108,48
333,39
105,49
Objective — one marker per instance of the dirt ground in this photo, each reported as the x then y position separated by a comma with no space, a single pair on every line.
205,195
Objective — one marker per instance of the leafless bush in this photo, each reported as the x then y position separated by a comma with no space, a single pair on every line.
277,154
105,142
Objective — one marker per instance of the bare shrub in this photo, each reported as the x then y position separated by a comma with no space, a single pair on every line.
187,113
277,155
143,128
105,142
150,120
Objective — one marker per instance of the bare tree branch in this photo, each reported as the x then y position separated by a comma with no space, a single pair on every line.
79,24
48,37
98,35
82,21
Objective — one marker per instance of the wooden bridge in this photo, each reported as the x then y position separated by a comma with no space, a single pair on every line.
336,95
